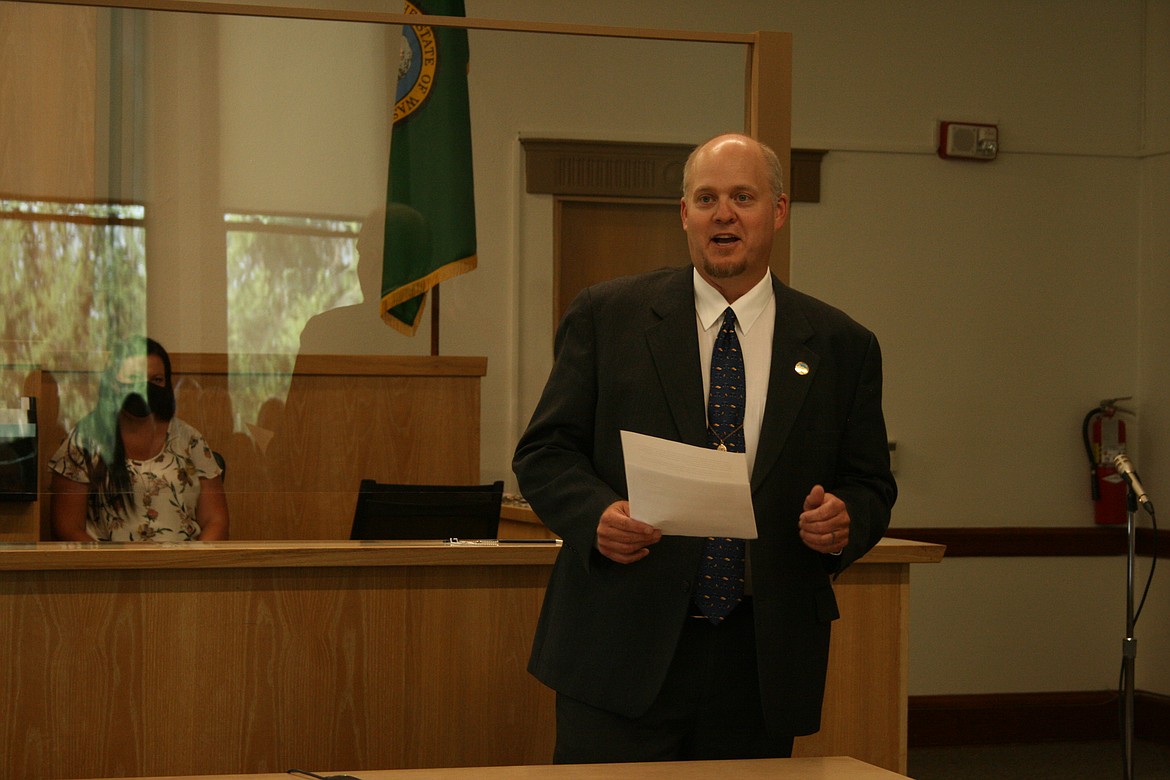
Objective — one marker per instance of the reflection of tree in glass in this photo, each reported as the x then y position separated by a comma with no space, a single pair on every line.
74,281
281,271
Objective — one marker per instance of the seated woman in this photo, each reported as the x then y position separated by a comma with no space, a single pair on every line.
131,470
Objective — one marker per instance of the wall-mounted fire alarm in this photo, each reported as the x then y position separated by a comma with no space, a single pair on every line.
964,140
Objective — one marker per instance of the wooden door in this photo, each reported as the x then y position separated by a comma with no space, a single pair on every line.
603,239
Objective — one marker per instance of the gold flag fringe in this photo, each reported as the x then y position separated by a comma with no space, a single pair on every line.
419,287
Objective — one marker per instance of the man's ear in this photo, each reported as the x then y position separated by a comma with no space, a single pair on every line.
781,211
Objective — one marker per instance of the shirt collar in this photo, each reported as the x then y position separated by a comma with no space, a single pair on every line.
710,303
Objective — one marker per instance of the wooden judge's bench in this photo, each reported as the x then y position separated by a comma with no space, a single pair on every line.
291,646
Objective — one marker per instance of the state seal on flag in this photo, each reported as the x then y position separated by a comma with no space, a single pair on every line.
418,57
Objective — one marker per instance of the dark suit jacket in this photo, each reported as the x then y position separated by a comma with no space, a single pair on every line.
627,357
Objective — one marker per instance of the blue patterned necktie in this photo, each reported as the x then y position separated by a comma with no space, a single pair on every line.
721,571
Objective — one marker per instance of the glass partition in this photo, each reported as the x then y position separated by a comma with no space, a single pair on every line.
218,183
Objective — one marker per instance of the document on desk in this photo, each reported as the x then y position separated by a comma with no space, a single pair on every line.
688,491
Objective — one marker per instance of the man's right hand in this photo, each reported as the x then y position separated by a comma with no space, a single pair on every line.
621,538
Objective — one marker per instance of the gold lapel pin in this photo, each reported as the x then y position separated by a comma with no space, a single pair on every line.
801,368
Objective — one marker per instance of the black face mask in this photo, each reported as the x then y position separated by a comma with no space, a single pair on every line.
136,405
160,400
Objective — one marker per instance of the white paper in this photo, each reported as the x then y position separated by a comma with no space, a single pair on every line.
688,491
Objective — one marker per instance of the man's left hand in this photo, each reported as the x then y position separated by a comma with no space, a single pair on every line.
824,524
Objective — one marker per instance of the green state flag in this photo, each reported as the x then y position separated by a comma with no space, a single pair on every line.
430,205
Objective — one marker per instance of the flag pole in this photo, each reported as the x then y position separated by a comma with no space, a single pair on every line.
435,320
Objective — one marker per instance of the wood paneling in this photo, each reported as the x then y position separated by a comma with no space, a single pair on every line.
132,672
868,652
129,660
344,425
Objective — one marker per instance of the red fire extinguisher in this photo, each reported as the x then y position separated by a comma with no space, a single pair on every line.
1104,435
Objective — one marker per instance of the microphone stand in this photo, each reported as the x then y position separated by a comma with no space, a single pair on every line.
1129,644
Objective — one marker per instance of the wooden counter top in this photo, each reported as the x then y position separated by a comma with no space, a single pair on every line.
48,556
828,768
268,554
904,551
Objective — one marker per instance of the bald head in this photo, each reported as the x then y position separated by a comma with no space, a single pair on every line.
771,162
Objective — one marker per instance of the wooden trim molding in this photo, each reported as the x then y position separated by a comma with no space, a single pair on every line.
376,17
997,718
636,170
1040,542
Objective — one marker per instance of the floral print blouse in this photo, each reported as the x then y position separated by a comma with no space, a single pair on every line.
166,488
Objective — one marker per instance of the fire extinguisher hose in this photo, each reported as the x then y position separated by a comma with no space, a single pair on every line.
1094,489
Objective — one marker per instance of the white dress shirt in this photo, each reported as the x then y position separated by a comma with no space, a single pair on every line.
755,320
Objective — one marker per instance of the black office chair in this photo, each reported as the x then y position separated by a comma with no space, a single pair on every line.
386,511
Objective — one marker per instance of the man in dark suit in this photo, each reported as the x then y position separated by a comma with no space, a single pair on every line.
642,670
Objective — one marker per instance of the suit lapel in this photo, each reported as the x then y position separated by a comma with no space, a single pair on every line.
787,386
674,347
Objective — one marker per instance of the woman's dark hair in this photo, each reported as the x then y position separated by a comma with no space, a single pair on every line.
99,434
